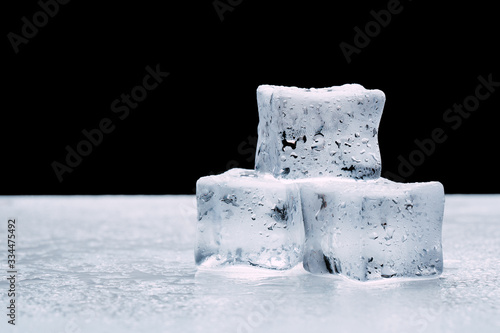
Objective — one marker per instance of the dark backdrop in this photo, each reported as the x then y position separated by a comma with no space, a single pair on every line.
70,72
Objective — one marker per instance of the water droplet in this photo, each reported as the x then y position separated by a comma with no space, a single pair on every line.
318,142
387,272
389,232
374,157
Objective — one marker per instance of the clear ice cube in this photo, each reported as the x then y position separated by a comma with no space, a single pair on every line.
248,218
319,132
368,230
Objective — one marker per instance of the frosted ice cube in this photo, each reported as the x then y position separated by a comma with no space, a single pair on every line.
247,218
319,132
368,230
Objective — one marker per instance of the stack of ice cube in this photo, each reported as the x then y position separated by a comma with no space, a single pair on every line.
316,195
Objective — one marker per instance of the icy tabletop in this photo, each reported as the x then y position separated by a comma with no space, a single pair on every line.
126,264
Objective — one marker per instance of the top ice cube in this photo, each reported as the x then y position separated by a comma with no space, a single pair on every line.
319,132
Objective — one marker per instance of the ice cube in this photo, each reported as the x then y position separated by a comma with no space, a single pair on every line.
316,195
319,132
248,218
368,230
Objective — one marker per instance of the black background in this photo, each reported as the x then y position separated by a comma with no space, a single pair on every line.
202,119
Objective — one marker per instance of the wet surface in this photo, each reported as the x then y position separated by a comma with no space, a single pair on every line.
97,263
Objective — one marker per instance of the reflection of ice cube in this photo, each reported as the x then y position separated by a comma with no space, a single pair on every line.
372,229
319,132
247,218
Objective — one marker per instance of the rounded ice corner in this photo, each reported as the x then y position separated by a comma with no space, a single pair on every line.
439,185
264,90
378,93
264,87
203,181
